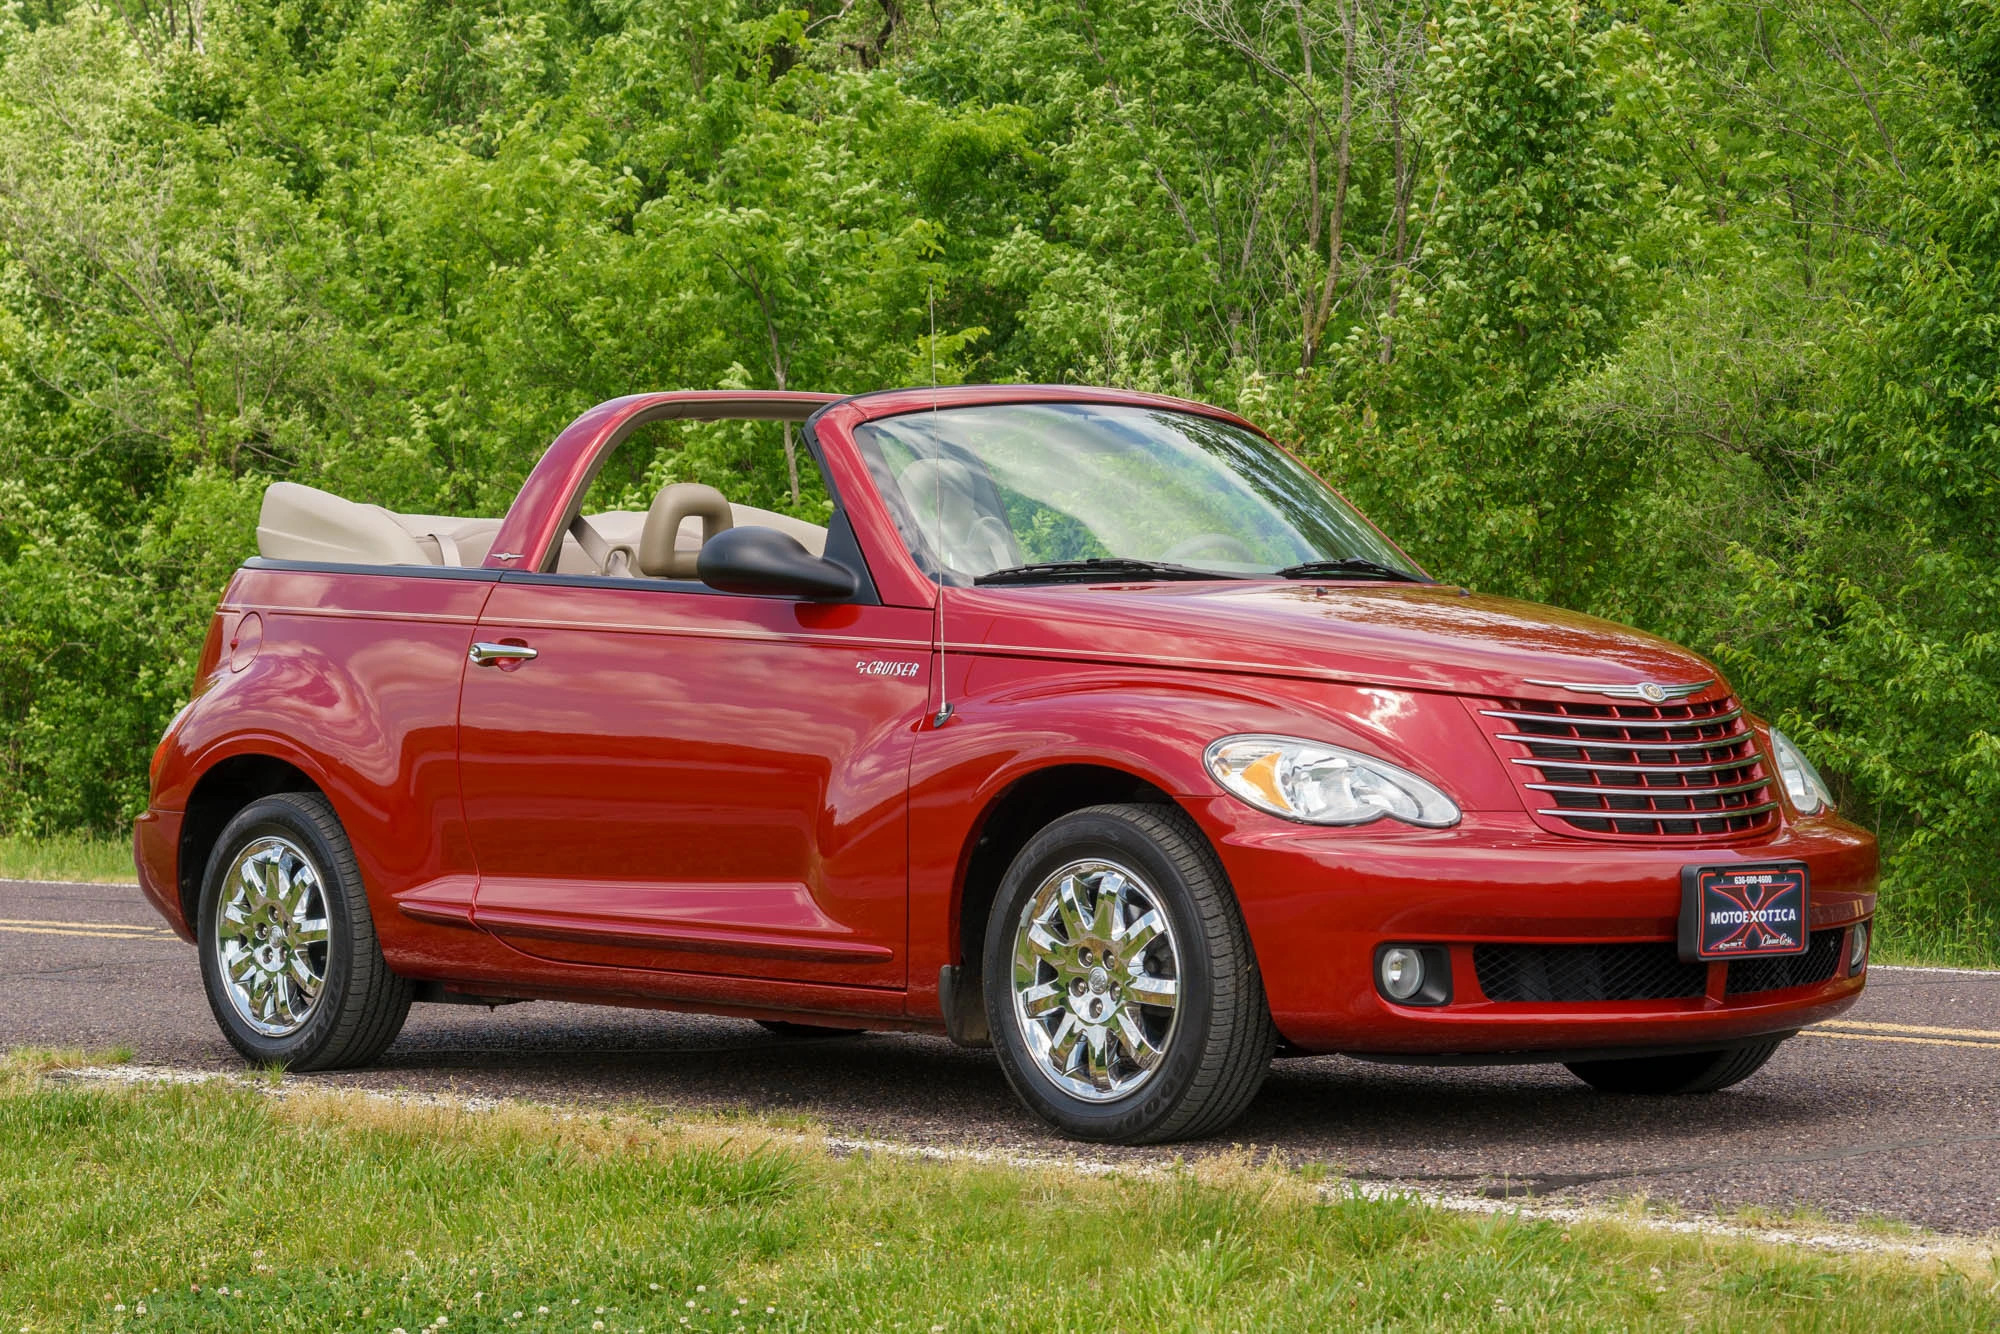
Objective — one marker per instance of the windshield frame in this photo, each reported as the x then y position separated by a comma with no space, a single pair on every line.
906,527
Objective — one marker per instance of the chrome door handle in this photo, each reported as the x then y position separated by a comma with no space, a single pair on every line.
492,655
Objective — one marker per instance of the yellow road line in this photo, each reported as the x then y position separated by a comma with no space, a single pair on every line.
88,926
1895,1037
1992,1034
143,933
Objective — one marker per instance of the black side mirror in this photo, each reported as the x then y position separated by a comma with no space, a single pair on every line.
764,560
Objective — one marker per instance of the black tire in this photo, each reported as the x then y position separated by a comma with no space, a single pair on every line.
1218,1048
360,1005
786,1028
1660,1076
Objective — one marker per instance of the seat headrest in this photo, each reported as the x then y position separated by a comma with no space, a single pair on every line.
660,555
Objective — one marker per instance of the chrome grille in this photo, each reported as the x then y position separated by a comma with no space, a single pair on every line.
1679,770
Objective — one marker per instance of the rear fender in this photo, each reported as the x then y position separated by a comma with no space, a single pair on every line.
352,679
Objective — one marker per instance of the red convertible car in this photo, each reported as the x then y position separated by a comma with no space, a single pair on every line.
1089,725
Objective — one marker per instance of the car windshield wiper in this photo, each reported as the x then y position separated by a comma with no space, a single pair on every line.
1352,567
1097,567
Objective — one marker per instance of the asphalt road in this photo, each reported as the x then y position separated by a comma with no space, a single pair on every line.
1893,1111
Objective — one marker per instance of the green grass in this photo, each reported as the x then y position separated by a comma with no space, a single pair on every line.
1919,944
223,1209
95,857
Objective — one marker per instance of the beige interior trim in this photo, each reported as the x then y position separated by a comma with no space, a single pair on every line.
306,524
811,536
303,523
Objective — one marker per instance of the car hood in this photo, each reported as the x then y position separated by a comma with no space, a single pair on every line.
1420,637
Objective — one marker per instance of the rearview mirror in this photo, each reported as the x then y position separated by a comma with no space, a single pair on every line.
764,560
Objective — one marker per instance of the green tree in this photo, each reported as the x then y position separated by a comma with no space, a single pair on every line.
1539,202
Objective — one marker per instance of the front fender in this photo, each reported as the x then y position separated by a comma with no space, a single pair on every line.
1014,718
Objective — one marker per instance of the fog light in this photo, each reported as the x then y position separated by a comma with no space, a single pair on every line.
1402,972
1857,952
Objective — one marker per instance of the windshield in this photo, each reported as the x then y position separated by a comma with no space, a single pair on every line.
980,490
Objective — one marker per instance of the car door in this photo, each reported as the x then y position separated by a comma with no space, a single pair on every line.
686,780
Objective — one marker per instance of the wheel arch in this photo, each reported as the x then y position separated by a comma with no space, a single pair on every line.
1016,812
223,789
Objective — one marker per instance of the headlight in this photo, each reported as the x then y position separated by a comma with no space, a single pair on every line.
1315,783
1807,789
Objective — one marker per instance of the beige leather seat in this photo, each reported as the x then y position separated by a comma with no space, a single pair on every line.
626,532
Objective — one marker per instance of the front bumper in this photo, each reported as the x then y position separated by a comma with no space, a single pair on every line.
1319,903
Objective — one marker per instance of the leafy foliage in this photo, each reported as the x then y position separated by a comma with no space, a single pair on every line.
1684,313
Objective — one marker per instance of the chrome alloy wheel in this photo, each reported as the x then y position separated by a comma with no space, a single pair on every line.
1096,980
271,935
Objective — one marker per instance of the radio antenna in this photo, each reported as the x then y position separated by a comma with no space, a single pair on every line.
943,714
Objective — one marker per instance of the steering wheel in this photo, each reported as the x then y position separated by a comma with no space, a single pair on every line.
1214,545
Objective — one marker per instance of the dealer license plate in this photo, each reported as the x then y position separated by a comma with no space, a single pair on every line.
1743,911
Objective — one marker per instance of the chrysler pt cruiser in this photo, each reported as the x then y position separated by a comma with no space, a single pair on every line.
1089,726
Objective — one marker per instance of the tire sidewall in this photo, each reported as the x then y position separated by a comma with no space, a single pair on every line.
268,816
1085,835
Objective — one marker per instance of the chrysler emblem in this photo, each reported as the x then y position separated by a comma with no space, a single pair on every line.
1650,691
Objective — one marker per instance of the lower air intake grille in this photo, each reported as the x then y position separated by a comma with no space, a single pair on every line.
1816,965
1586,972
1539,974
